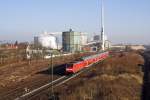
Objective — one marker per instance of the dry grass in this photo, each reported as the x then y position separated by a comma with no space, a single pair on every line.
18,72
117,78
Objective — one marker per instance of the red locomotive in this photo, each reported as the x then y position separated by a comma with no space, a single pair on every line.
76,66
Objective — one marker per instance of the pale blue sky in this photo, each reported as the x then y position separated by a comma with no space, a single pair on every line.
126,21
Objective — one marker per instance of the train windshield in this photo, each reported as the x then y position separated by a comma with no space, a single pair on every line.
69,65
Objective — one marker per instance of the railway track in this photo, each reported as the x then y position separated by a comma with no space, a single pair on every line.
13,92
20,90
55,83
31,85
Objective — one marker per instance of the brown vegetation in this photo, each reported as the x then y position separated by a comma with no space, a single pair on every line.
18,72
117,78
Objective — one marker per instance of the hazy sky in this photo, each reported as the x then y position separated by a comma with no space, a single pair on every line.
126,21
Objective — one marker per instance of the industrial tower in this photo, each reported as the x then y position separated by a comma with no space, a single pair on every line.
102,26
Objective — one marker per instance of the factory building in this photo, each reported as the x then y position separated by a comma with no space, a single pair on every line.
84,38
36,41
102,40
136,47
96,38
92,46
107,44
72,41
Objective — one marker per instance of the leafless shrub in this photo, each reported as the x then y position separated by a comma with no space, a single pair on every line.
117,78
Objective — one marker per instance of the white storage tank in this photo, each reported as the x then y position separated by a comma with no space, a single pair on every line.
48,41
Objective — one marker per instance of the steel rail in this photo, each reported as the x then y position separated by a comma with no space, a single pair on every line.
11,92
39,89
68,78
55,83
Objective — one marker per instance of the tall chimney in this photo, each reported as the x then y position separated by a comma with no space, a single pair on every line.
102,25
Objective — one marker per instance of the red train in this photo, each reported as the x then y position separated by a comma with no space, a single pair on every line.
76,66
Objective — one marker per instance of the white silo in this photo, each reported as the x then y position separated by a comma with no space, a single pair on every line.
48,41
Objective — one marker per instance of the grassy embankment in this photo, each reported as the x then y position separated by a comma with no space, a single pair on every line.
118,78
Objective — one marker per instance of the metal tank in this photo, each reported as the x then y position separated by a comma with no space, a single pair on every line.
48,41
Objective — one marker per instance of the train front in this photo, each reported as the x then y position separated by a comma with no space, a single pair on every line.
69,68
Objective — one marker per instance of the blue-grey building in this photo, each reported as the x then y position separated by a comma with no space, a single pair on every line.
71,41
